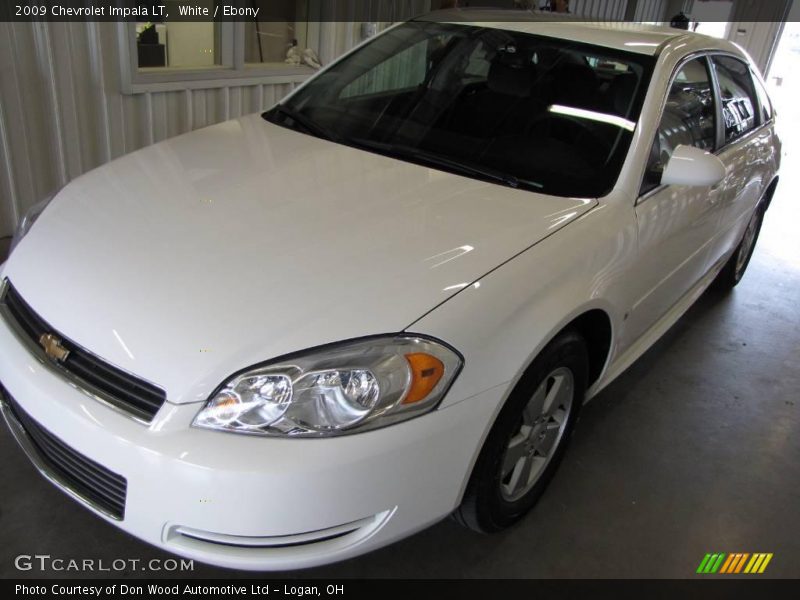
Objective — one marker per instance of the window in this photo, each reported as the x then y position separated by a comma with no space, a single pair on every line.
737,97
402,71
165,54
180,44
517,109
280,25
688,119
763,100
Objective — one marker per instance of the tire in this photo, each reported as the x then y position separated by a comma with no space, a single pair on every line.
498,494
733,271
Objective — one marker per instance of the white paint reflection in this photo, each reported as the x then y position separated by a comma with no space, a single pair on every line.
562,219
121,343
90,415
592,115
458,286
447,256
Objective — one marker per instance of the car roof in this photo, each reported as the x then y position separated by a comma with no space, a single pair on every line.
632,37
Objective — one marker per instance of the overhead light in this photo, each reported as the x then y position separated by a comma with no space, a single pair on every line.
592,115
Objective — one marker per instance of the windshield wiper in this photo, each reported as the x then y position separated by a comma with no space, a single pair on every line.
309,125
481,172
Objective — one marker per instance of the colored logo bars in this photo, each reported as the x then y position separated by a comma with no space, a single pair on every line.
740,562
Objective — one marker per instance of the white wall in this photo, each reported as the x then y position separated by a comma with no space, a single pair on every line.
62,112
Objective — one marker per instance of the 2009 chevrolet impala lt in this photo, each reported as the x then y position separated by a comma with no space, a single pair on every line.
291,338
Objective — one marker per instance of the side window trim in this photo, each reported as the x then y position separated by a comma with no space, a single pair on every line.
705,56
720,121
759,82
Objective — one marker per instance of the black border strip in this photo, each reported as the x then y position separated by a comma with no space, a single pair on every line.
318,11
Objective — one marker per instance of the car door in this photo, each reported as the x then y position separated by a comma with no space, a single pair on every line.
744,151
676,224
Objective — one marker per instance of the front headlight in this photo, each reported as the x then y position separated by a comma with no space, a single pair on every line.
335,390
28,219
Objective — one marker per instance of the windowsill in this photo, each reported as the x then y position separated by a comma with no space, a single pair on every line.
170,79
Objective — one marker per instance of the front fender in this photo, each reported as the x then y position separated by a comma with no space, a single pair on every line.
501,322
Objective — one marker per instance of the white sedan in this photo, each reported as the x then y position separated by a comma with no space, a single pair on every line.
295,337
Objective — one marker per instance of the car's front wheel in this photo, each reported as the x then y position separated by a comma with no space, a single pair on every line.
528,439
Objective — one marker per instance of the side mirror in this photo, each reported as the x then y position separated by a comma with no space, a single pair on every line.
692,166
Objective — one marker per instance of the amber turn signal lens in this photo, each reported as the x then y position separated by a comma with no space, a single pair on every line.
426,371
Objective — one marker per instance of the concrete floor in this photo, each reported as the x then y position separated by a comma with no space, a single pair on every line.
694,449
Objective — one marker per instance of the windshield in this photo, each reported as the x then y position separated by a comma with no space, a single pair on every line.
521,110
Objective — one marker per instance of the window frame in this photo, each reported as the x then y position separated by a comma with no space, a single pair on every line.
760,83
232,70
720,131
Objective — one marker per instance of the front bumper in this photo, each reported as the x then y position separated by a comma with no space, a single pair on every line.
257,503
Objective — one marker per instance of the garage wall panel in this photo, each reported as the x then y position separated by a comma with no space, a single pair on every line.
62,111
608,10
8,184
650,11
757,26
21,139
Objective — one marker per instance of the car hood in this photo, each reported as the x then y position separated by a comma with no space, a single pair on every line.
201,255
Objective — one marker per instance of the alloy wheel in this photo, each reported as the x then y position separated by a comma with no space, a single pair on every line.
541,429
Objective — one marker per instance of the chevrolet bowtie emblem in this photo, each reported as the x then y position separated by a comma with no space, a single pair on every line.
53,348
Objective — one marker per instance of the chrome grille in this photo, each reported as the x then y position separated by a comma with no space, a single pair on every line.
139,398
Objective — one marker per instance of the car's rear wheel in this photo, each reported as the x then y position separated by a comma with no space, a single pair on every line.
528,439
733,271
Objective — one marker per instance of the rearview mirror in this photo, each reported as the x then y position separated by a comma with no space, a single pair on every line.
692,166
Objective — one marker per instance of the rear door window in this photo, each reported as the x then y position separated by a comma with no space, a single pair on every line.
737,96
